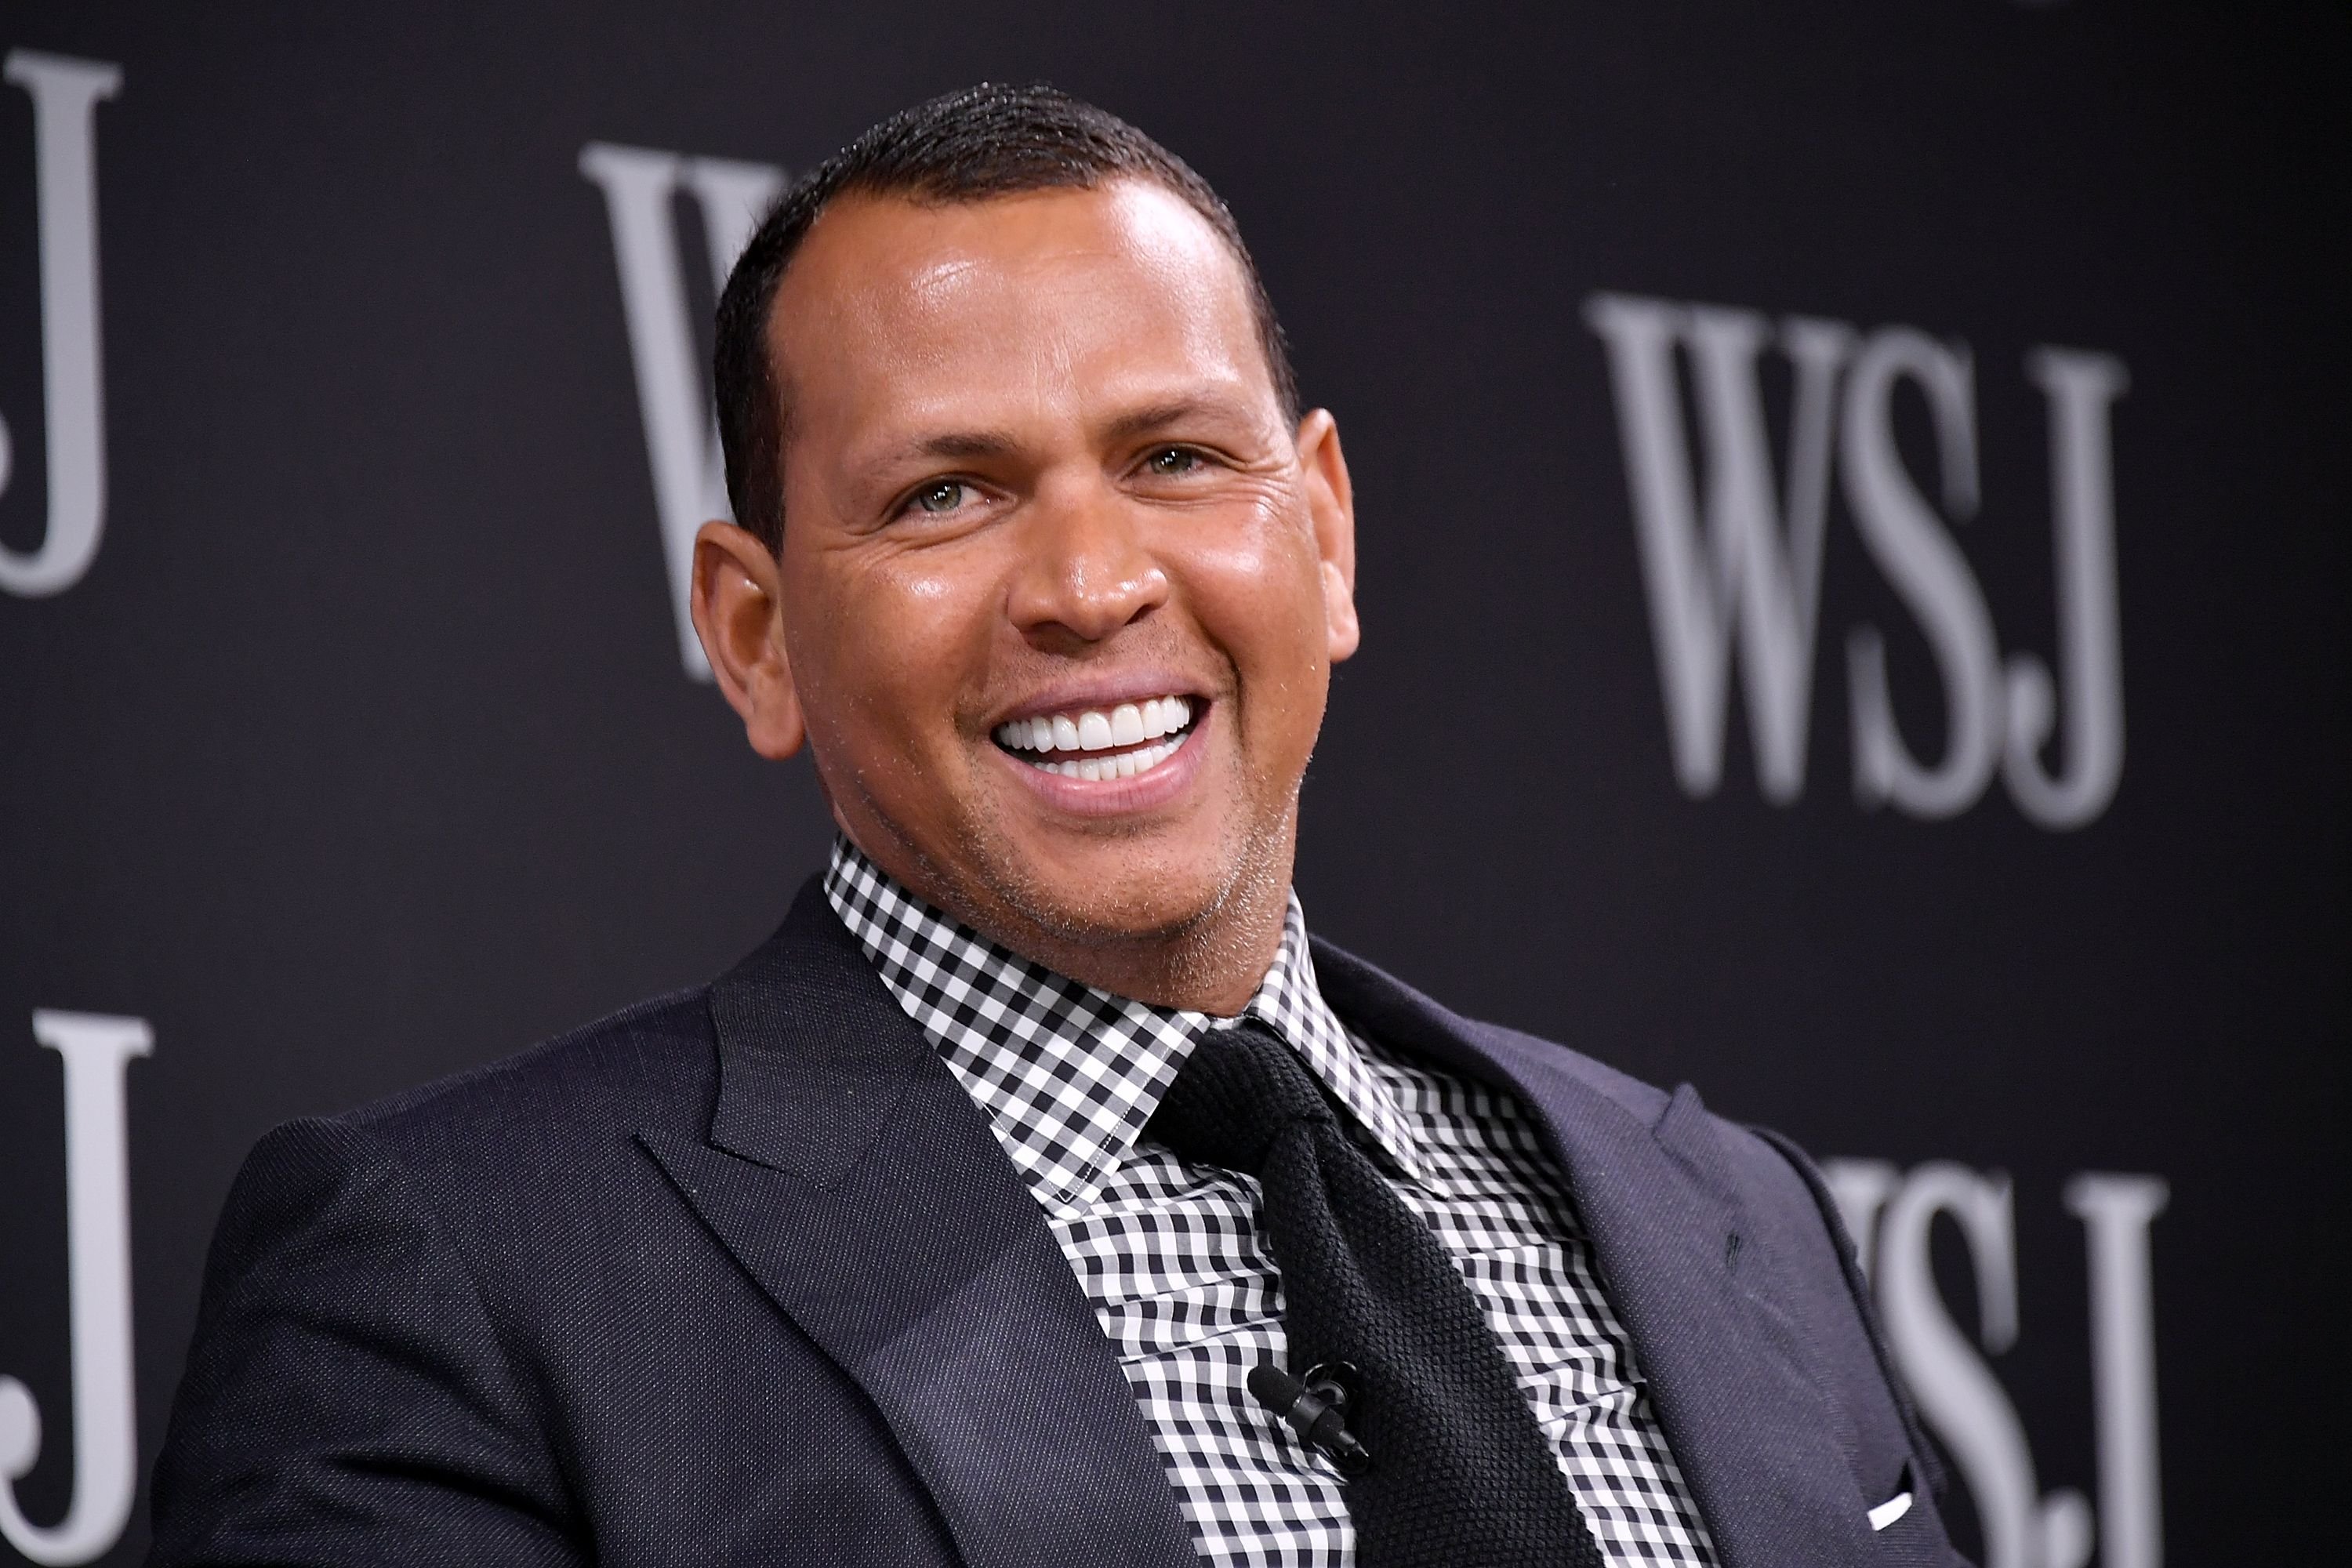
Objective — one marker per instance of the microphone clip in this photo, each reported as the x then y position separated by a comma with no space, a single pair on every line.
1315,1406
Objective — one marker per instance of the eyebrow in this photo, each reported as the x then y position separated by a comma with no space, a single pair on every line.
975,443
1151,416
958,443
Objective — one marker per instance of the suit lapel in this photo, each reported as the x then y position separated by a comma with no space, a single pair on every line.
856,1181
1745,1422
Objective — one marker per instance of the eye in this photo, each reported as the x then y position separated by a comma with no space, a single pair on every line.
1169,462
940,497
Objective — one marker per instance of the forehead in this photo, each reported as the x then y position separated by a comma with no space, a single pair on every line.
892,304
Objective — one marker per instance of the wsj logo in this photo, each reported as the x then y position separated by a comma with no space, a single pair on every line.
1890,1213
641,186
1732,560
65,94
97,1051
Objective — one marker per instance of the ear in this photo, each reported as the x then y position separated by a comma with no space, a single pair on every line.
1332,503
738,614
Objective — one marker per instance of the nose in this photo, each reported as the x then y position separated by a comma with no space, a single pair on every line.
1085,571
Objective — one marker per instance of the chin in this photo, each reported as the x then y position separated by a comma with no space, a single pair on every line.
1136,907
1145,887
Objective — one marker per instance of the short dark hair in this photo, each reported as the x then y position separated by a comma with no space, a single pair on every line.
969,146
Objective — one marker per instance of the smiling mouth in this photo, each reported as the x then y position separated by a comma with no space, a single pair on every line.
1093,743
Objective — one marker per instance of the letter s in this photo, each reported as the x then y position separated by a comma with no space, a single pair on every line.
1924,564
1959,1395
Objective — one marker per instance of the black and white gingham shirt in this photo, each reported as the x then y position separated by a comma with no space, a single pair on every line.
1175,1262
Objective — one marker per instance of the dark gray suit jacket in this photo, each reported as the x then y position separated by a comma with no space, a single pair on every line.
742,1276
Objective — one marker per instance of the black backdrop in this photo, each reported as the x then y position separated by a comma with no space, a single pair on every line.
361,750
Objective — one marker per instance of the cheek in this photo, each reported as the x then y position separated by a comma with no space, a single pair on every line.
1259,598
892,643
1258,591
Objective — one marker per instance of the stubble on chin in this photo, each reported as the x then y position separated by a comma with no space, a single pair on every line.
1232,927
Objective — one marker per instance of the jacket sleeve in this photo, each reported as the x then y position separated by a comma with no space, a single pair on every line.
347,1398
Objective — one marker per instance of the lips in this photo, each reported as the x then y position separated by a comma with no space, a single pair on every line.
1121,742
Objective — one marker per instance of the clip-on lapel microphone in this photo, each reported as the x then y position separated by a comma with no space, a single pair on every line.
1316,1407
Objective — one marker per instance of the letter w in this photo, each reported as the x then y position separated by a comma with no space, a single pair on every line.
681,433
1750,573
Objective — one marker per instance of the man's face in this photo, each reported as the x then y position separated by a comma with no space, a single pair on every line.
1039,493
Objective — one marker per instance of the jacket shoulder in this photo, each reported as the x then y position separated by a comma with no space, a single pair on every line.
653,1063
378,1297
1764,1168
538,1140
1390,1010
1646,1101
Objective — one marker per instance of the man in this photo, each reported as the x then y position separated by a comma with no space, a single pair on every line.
1040,1193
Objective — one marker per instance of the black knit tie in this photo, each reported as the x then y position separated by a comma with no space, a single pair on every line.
1461,1476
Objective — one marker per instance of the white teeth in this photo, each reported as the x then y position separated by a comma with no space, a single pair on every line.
1126,765
1092,730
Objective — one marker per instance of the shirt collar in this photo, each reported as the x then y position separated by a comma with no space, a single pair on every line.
1067,1073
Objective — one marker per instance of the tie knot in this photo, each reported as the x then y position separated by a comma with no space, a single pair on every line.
1238,1091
